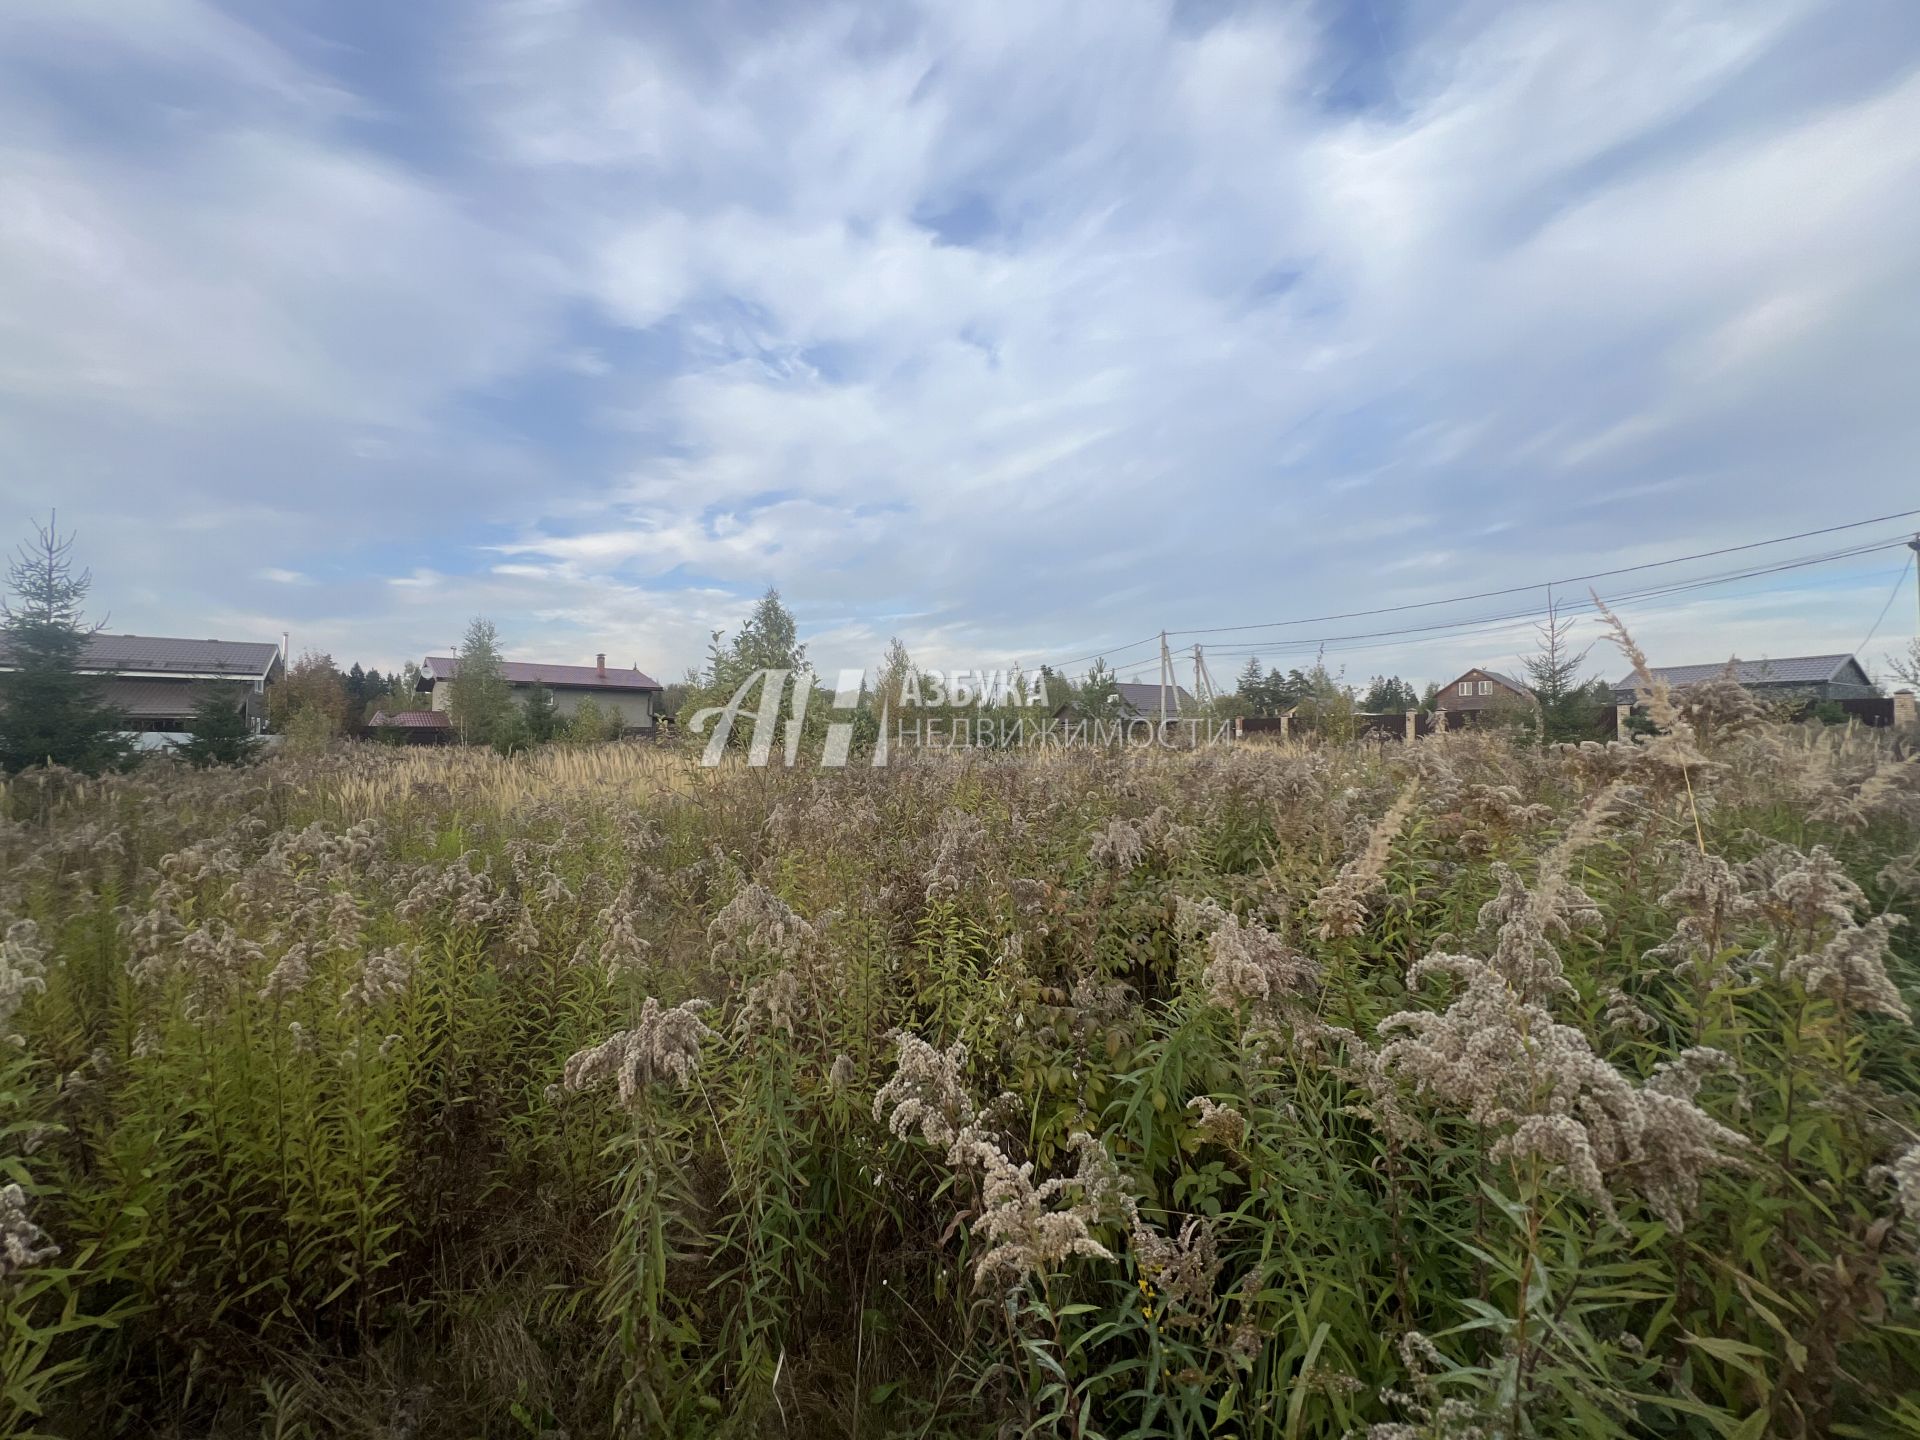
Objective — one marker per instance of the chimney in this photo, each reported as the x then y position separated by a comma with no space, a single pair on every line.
600,664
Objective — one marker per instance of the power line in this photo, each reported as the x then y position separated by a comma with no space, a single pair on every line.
1295,644
1298,643
1153,639
1543,584
1484,626
1892,595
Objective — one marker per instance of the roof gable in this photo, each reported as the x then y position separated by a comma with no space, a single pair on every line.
1479,672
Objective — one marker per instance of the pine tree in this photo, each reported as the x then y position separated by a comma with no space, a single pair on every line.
220,734
1098,699
481,695
51,713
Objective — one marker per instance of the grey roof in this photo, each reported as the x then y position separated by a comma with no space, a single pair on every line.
1143,697
554,677
410,720
241,659
1788,670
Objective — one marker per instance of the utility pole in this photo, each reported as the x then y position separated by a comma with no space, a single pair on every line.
1914,545
1166,678
1202,678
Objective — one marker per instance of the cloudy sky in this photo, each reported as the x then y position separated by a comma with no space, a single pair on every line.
1020,330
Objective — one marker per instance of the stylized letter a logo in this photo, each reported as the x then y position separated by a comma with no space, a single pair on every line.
773,684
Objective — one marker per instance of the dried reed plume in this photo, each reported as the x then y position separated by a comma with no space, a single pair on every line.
1341,906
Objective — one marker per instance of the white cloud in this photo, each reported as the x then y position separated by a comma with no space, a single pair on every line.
1024,328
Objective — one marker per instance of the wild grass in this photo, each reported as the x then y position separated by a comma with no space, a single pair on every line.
1444,1089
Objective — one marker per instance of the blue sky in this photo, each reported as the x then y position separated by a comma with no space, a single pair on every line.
1017,330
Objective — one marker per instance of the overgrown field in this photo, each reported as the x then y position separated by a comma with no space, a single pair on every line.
1454,1088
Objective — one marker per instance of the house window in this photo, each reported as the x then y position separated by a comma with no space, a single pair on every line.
1486,687
1466,687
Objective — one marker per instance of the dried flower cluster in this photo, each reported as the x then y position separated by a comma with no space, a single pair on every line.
382,976
1250,965
22,1243
1536,1086
662,1049
23,970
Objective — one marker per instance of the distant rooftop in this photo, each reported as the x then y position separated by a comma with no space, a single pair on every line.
1144,698
1787,670
410,720
554,677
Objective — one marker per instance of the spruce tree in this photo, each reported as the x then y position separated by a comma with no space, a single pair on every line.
219,733
539,719
1567,708
50,712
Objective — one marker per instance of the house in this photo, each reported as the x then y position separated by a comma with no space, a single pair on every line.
631,694
1141,700
1795,677
157,681
410,727
1480,689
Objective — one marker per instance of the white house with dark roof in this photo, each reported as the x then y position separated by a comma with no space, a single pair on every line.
631,694
1806,677
157,681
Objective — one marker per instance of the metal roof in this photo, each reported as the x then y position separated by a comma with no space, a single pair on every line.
1788,670
1144,698
156,654
554,677
411,720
